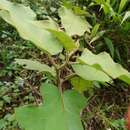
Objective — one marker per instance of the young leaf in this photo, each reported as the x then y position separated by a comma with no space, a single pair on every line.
73,23
80,84
94,30
24,20
121,6
105,5
58,112
35,65
98,35
90,73
127,15
105,63
66,40
77,10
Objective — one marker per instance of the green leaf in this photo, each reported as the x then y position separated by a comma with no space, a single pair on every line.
46,24
90,73
94,30
104,62
77,10
2,124
73,23
100,1
6,98
24,20
35,65
108,9
58,112
109,45
119,124
98,35
105,5
108,1
127,15
122,5
66,40
80,84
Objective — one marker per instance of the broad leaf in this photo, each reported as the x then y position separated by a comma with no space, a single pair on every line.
46,24
35,65
90,73
80,84
104,62
24,20
58,112
73,23
66,40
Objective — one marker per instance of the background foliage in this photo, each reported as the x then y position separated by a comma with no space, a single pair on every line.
19,86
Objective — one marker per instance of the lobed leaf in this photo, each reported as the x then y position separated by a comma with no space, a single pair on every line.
73,23
104,62
58,112
24,20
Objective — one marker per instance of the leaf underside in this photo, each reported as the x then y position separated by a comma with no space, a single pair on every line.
24,20
35,65
105,63
73,24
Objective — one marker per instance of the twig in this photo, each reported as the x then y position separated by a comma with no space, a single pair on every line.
69,77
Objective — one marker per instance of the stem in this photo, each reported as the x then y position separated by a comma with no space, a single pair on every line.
59,80
58,70
69,77
52,62
66,62
68,56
